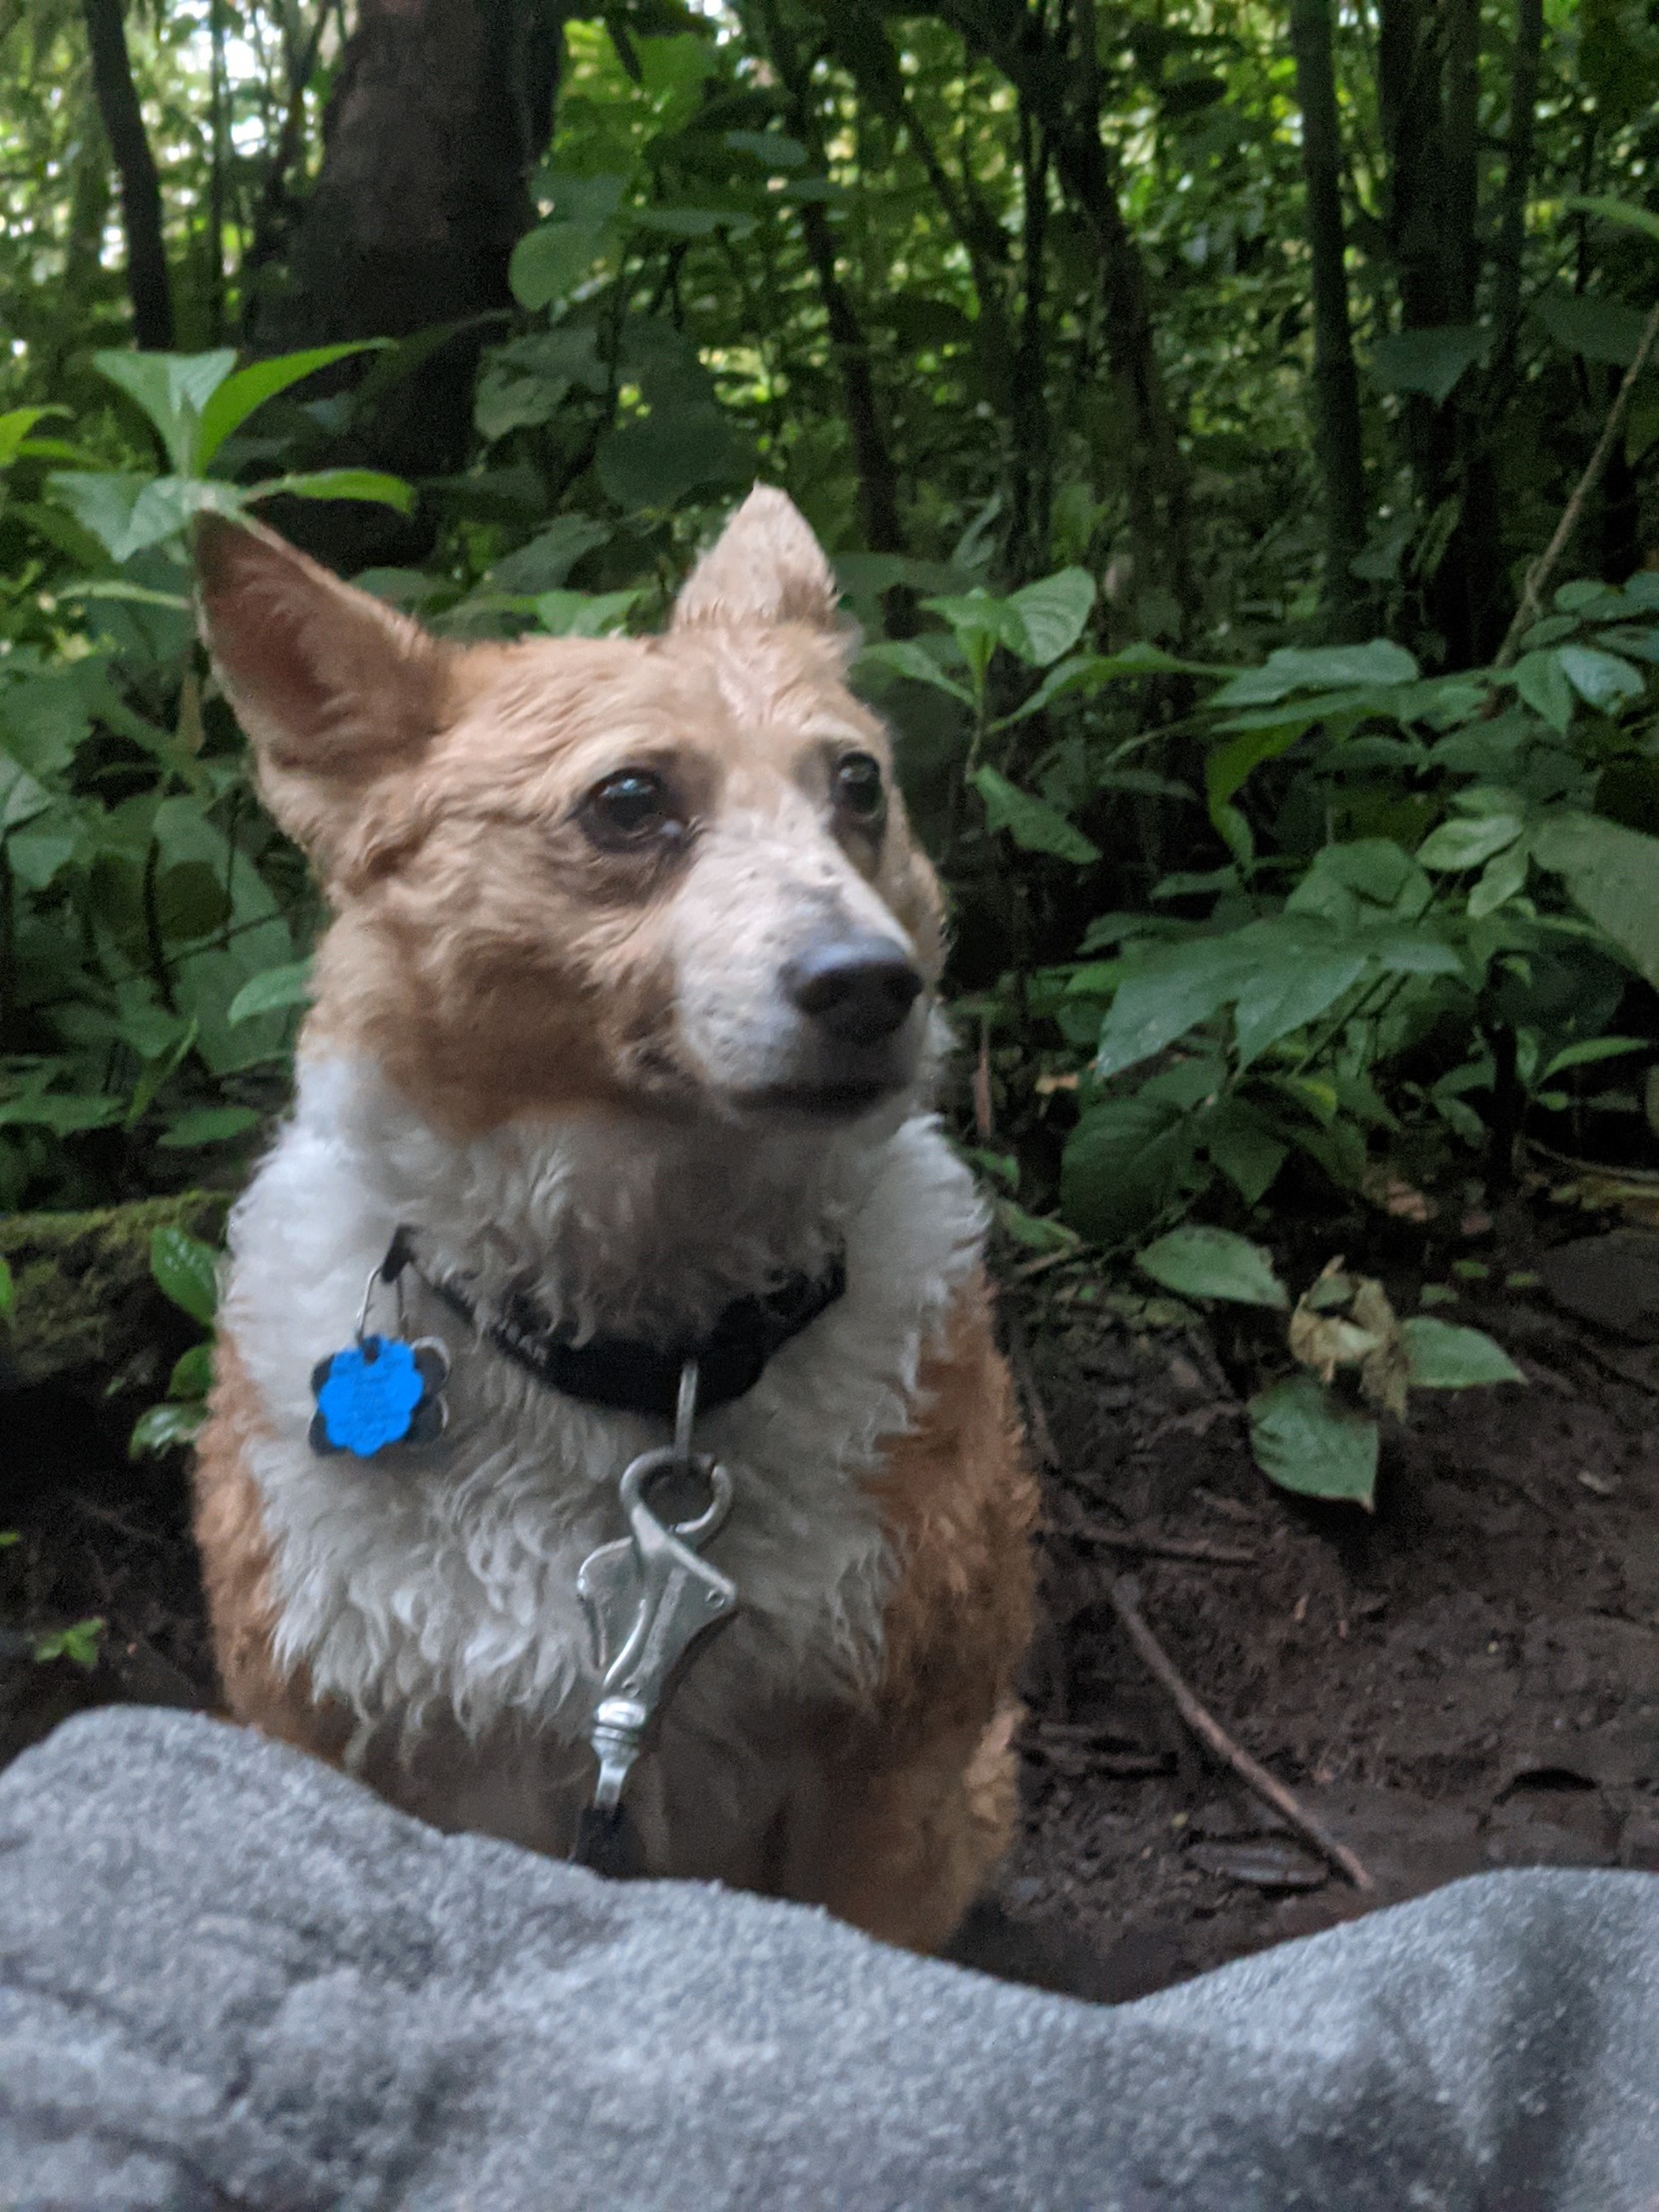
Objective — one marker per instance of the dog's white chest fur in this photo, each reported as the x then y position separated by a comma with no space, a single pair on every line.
425,1585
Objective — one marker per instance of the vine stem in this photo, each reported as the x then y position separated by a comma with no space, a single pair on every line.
1539,574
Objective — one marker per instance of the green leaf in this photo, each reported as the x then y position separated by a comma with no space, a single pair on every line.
174,390
1593,1049
240,395
1033,823
186,1271
78,1644
1613,875
688,222
64,1113
1244,1147
1503,878
1621,211
1542,683
1465,843
165,1428
1054,613
1214,1264
1123,1164
1230,766
650,461
549,262
8,1290
1428,361
192,1372
127,514
15,427
1290,991
269,992
585,614
1318,669
207,1125
1446,1357
1305,1441
1168,991
1604,680
543,563
770,147
1596,329
902,657
370,484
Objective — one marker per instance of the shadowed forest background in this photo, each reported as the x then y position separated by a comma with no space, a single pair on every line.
1235,430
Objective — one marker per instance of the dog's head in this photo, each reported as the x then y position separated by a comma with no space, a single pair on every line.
670,873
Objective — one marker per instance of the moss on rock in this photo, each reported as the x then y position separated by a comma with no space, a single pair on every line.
87,1311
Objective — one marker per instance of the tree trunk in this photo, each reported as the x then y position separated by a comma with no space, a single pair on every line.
1336,381
439,111
1427,63
1517,175
140,191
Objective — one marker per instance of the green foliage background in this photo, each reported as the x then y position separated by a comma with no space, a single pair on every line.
1272,858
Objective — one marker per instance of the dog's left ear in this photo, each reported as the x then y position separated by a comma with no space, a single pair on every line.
765,567
334,691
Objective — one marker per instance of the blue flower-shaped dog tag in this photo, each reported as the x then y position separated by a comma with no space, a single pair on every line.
378,1392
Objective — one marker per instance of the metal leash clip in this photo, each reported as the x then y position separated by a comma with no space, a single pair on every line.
650,1600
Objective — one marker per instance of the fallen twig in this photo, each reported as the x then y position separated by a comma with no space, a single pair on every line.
1041,1264
1157,1548
1543,568
1125,1602
1037,1414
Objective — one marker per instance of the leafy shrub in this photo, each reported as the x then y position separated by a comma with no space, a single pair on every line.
1435,896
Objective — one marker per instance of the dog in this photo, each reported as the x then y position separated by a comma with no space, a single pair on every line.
625,1017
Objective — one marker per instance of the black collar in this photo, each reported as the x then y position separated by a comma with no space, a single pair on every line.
630,1377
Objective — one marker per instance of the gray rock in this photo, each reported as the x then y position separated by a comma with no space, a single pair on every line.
229,1976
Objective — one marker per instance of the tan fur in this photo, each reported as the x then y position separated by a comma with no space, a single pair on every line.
495,964
237,1575
926,1788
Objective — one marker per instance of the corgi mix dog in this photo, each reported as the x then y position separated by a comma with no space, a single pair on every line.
624,1030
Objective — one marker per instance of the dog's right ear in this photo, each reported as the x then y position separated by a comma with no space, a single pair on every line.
333,689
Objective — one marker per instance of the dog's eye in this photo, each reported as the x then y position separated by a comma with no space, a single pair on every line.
632,807
859,790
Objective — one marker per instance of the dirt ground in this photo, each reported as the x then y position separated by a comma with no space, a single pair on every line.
1467,1678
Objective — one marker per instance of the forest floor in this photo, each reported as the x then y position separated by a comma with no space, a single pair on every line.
1466,1678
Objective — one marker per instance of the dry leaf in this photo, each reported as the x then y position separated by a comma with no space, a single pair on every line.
1365,1336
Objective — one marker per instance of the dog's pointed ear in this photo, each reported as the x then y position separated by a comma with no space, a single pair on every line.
333,689
765,567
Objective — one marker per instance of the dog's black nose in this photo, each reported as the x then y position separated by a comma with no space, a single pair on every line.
860,987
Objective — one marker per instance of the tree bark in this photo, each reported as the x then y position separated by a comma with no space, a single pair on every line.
440,109
1337,427
1517,173
1427,60
140,191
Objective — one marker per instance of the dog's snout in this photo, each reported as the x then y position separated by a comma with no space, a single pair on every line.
858,988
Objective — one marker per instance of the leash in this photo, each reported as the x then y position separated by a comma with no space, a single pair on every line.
649,1599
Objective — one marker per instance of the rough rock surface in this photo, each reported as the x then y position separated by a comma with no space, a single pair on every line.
229,1976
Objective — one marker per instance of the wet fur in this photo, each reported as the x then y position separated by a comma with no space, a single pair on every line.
548,1061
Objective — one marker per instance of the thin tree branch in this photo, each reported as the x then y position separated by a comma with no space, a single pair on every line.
273,191
1541,571
1126,1604
877,473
